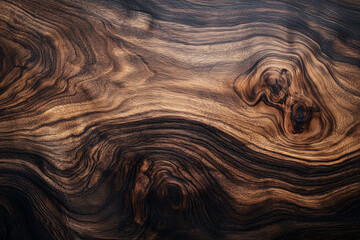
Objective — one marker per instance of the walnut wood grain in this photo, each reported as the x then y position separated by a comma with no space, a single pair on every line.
179,119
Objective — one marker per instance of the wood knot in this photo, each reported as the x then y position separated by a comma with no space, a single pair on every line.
300,115
278,83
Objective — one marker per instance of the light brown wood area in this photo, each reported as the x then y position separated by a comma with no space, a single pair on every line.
179,119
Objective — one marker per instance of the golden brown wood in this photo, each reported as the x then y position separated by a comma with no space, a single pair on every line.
179,119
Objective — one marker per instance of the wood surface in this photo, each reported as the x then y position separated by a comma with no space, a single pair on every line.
187,119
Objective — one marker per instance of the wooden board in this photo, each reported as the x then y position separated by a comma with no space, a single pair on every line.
185,119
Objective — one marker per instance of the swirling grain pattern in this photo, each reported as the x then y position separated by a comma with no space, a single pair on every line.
185,119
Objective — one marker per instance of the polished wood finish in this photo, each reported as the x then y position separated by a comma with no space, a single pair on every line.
179,119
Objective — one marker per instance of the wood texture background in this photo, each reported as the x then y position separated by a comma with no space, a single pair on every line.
188,119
